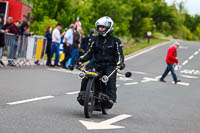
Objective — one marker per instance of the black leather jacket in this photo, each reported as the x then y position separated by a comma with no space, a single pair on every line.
105,50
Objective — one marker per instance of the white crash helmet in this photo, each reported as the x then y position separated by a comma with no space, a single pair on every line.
106,22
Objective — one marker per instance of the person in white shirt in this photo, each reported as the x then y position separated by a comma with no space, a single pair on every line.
56,37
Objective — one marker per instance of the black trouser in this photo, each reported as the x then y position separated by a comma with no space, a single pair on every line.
110,87
48,52
67,51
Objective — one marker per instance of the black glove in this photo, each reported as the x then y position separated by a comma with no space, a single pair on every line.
121,65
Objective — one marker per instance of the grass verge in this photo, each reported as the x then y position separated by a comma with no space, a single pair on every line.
133,47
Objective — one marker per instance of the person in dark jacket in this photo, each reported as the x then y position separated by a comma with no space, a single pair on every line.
107,53
85,40
1,39
14,29
8,23
24,29
1,22
171,59
74,49
48,48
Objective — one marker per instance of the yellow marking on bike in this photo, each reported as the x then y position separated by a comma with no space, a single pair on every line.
92,73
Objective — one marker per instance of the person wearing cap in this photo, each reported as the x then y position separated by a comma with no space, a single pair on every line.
171,59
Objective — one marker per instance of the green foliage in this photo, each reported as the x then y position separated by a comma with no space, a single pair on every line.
158,35
132,18
197,31
39,28
184,33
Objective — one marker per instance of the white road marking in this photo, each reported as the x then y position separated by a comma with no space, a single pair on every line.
144,51
124,79
133,83
117,85
185,62
30,100
105,124
139,72
191,77
182,83
147,79
121,75
195,72
196,52
72,93
158,77
191,57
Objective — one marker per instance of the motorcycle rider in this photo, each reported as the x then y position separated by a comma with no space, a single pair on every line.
107,53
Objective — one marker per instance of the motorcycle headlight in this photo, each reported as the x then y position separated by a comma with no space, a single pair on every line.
104,79
82,75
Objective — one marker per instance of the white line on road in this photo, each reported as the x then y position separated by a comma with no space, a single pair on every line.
196,52
30,100
139,72
191,57
191,77
147,79
158,77
133,83
184,84
117,85
72,93
124,79
185,62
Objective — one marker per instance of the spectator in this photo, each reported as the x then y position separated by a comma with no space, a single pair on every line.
56,37
49,41
8,23
85,40
1,39
74,49
171,60
1,22
14,28
68,38
24,29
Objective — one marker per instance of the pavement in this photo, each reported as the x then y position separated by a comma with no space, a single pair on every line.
43,100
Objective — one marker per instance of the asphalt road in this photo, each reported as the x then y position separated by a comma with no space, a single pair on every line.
43,100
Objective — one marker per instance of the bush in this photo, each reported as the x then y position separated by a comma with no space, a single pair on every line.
158,34
39,27
184,33
197,32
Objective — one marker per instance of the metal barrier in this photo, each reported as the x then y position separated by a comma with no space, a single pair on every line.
23,49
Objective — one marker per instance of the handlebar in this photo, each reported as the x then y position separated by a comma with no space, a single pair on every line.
104,78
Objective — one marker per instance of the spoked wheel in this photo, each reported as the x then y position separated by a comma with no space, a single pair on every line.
89,98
